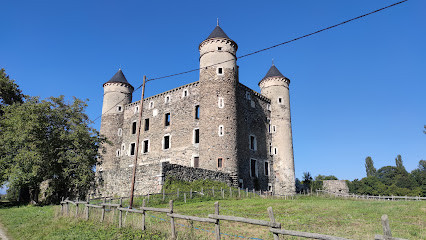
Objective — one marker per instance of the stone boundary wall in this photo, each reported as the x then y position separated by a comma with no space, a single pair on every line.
336,186
190,174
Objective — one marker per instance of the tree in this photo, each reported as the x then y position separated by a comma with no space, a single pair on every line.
48,142
9,91
399,164
369,167
307,179
419,175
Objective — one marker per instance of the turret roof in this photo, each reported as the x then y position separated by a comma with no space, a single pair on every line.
218,33
273,72
119,78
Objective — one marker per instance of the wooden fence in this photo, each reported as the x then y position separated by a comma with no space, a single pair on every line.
369,197
216,219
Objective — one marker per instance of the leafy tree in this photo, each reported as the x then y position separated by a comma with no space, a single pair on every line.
307,179
399,165
419,175
369,167
51,142
9,91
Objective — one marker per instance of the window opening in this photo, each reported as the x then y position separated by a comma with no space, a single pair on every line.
253,168
241,183
220,102
166,142
136,109
132,149
248,95
167,99
253,143
275,151
220,71
134,128
197,112
220,130
280,100
119,132
145,146
219,48
167,119
266,168
119,108
118,153
219,162
185,93
196,162
197,136
146,128
151,104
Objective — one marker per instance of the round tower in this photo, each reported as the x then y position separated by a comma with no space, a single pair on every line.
276,87
218,107
117,93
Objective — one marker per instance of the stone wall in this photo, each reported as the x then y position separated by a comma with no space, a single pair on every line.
336,186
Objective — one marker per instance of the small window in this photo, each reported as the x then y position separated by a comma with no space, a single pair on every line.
123,147
241,183
266,168
119,109
145,148
270,148
166,142
197,112
151,105
268,107
220,132
136,109
253,143
134,128
146,126
274,128
167,99
117,153
196,136
219,71
132,149
167,119
185,93
119,132
195,162
219,48
253,168
270,187
220,102
280,100
219,162
248,95
252,103
275,151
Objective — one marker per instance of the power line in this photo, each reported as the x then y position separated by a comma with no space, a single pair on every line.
268,48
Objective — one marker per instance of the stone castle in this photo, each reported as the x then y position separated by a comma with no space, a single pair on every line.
214,128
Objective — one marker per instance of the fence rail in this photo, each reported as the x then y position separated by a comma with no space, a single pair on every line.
216,218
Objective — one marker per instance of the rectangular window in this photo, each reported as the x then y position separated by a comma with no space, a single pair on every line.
220,132
248,95
220,102
134,128
241,183
145,146
219,163
132,149
266,168
167,119
197,136
166,144
219,70
197,112
280,100
196,162
253,168
146,124
252,143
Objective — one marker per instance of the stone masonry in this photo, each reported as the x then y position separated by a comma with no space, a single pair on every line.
216,128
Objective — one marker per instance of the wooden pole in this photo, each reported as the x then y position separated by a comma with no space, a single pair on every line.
246,192
87,207
386,227
190,194
164,194
120,215
143,215
223,193
76,208
230,192
272,218
213,191
239,193
172,221
217,225
177,193
184,197
103,211
132,189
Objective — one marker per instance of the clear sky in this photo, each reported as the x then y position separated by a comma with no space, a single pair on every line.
356,91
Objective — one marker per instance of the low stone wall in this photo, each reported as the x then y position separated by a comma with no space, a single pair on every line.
190,174
336,186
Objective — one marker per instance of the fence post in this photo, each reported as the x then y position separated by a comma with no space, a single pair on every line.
190,194
239,192
246,192
230,192
272,218
177,193
184,197
62,206
164,194
120,215
223,193
87,207
143,215
172,220
103,210
68,209
254,193
148,198
386,228
202,193
76,208
213,190
217,225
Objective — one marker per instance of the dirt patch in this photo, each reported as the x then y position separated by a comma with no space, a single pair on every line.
3,233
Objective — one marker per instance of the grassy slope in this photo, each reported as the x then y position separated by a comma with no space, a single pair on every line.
345,218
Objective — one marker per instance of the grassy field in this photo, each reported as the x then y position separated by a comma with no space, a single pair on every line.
354,219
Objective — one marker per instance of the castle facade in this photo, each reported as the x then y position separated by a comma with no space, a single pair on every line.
216,124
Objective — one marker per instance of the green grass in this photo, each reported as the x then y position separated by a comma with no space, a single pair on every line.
354,219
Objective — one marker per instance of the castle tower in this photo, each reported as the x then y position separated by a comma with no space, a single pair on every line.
117,93
276,87
218,107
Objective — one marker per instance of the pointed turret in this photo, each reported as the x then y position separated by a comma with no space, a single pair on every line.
119,78
274,72
218,33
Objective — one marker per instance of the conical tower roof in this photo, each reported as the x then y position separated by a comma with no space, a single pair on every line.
119,78
273,72
218,33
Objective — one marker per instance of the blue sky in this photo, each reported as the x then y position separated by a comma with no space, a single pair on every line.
356,91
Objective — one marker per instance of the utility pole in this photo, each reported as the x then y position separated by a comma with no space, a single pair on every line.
132,190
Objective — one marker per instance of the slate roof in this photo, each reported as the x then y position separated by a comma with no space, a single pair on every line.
218,33
119,78
273,72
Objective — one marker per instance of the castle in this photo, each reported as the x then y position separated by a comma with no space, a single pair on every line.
215,127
